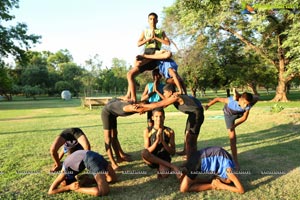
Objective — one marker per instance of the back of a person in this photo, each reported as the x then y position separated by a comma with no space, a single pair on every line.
191,104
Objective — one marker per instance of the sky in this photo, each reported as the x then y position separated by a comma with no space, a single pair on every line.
88,27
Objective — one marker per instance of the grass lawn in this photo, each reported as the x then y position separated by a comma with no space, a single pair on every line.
268,147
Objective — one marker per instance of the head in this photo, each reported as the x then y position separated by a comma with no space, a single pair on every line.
245,99
155,74
158,116
152,19
169,89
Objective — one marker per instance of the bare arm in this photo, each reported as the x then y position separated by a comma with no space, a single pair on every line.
165,40
84,142
156,83
142,40
238,187
145,95
147,145
242,119
215,100
164,103
171,147
175,77
54,188
101,189
58,142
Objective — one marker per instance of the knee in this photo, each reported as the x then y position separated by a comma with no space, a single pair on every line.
131,73
183,188
145,154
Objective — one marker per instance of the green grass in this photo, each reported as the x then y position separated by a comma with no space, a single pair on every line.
268,146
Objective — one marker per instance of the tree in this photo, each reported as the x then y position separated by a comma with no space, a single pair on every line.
6,82
14,38
71,73
271,34
91,75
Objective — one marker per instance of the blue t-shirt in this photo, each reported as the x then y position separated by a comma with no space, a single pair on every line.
233,107
164,65
155,97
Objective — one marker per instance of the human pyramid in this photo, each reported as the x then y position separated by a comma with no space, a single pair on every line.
159,140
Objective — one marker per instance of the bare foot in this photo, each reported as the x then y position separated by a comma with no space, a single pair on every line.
177,172
55,168
115,167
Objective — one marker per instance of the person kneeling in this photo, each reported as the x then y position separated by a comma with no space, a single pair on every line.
76,163
215,161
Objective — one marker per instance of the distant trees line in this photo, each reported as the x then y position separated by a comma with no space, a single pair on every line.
216,51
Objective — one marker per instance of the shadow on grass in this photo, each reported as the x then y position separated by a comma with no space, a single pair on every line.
265,155
38,104
58,130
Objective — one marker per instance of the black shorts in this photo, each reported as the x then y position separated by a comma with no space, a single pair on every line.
195,121
164,155
109,121
148,66
71,134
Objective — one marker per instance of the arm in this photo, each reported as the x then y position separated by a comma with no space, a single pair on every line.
84,142
238,187
175,77
58,142
215,100
146,95
165,40
243,118
171,147
147,142
164,103
61,154
101,189
142,40
54,186
156,83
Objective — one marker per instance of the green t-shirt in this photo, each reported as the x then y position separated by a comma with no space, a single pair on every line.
153,44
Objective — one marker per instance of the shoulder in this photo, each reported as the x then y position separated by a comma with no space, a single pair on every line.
168,131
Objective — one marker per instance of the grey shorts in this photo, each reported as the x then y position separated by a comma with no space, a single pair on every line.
230,119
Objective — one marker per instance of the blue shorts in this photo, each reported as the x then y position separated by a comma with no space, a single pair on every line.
164,67
95,163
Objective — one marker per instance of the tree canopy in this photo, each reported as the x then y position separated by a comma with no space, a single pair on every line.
270,32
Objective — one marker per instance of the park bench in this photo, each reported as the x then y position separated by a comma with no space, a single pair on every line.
96,101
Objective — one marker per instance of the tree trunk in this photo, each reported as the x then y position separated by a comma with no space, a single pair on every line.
253,87
194,91
281,87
